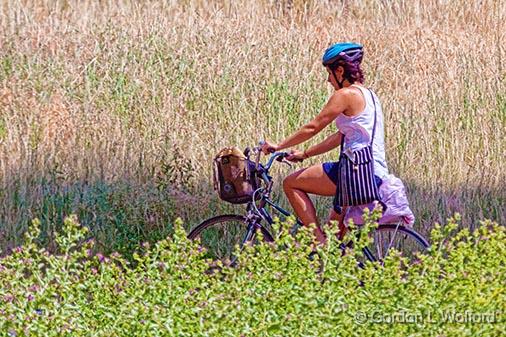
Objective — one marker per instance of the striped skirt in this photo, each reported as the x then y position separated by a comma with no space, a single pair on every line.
356,184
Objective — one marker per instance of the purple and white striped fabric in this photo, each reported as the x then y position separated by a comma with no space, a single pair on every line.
355,182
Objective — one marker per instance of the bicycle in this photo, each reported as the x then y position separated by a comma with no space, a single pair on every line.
220,234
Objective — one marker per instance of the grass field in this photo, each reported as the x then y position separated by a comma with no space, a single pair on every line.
113,110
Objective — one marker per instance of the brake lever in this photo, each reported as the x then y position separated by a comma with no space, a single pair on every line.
284,161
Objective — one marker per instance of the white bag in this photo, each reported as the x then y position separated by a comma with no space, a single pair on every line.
393,195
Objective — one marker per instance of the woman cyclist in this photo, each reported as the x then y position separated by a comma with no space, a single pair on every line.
359,119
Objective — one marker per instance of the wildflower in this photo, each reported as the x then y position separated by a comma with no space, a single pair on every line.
8,297
30,297
34,288
100,257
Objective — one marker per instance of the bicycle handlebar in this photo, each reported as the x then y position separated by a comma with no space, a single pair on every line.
278,156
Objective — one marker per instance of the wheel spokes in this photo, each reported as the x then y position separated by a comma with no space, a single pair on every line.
395,237
391,238
220,240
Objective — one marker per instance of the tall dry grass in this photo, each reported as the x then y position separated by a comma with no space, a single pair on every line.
114,109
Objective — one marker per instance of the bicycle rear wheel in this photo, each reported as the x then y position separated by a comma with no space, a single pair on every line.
220,235
392,236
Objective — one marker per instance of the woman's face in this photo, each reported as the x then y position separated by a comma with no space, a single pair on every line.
331,79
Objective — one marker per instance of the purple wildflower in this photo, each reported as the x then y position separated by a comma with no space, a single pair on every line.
8,298
34,288
100,257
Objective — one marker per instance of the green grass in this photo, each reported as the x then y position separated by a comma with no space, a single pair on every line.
275,290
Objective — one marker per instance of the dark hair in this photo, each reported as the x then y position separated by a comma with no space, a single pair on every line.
352,71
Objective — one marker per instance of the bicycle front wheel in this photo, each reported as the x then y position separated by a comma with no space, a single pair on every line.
391,236
220,235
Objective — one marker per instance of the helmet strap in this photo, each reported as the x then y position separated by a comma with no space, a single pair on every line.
339,83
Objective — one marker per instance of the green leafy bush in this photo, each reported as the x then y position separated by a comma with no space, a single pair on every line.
456,290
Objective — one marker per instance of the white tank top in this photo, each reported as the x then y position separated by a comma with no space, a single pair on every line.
357,131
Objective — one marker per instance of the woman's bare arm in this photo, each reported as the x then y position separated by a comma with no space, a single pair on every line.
328,144
337,104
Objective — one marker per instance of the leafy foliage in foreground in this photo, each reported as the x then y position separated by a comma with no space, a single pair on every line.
275,291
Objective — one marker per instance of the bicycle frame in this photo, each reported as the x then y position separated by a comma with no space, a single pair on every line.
264,214
265,200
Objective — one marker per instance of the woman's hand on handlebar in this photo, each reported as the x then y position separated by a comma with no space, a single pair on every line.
268,147
296,156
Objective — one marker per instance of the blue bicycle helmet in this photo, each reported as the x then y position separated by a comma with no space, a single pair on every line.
346,51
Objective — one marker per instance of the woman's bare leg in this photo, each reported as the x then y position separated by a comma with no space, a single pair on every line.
297,185
341,227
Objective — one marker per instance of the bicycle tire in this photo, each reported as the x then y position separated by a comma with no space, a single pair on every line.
219,235
392,236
